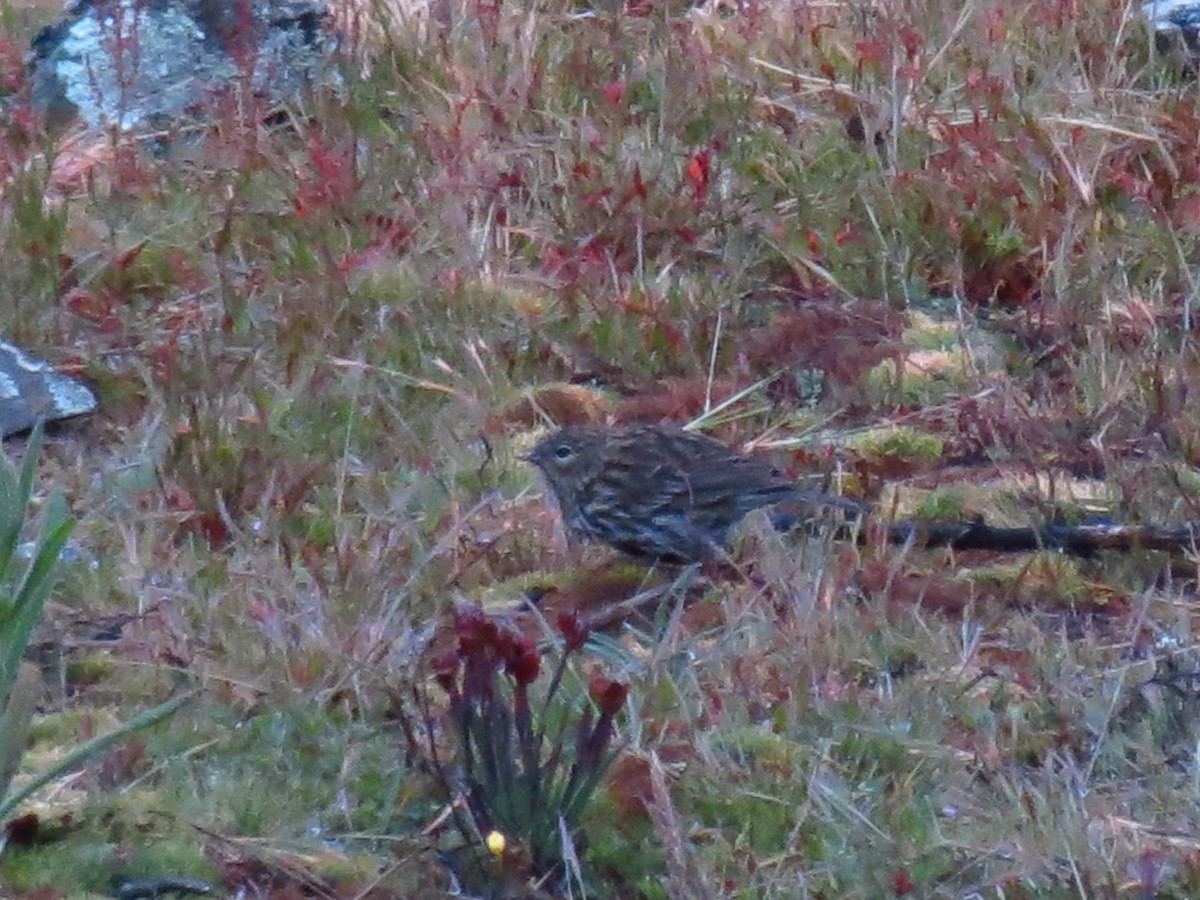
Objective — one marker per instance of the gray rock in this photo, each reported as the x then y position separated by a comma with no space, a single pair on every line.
133,63
1176,27
31,391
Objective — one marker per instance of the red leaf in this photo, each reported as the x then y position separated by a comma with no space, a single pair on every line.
912,41
871,52
639,186
697,172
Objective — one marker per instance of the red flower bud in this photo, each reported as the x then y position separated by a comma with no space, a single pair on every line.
574,632
474,629
520,654
607,694
524,668
445,670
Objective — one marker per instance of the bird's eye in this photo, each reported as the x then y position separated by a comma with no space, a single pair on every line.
563,452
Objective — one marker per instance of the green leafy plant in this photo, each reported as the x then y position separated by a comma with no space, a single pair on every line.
24,587
524,768
23,592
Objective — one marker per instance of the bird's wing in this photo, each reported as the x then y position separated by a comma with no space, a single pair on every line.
711,473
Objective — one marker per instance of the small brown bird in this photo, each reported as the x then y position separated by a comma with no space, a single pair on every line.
657,492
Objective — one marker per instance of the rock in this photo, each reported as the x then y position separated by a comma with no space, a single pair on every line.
1176,27
135,63
30,390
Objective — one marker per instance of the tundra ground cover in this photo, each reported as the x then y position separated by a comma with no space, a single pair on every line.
938,256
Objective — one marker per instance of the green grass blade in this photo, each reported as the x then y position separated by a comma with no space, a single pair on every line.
14,502
14,721
86,749
30,596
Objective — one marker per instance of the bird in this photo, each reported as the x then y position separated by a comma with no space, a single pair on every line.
658,492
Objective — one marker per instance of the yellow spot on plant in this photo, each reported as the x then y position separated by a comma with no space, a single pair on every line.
495,843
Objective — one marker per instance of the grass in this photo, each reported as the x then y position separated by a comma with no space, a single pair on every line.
940,255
